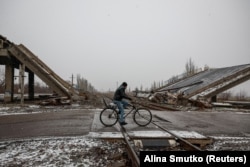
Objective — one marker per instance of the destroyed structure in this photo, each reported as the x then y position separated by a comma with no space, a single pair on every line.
200,89
19,57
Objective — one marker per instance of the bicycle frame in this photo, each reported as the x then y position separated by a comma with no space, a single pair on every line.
132,110
139,114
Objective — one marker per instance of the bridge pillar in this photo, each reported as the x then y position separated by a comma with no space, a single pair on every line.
31,85
214,99
9,83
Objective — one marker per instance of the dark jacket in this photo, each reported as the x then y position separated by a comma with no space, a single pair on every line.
120,94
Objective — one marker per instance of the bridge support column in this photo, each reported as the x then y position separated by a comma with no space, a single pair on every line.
9,83
31,85
21,81
214,99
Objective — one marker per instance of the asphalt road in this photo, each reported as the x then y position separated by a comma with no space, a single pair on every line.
81,122
208,123
63,123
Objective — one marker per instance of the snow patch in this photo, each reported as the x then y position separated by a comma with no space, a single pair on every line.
64,151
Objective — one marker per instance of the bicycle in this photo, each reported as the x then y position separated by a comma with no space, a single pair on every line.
109,116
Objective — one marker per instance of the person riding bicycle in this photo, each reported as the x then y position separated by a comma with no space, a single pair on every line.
121,104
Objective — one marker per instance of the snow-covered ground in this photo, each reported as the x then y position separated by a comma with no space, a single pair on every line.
56,151
66,151
32,109
83,151
78,150
229,143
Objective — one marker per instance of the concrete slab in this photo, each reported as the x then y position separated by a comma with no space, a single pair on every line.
188,134
105,135
148,134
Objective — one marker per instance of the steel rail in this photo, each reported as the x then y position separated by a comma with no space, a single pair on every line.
178,137
131,151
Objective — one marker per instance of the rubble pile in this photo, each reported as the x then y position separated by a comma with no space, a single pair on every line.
169,101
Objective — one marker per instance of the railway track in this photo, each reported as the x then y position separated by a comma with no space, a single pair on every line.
134,154
194,147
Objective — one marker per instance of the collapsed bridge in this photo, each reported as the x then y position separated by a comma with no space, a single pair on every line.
210,82
199,89
19,57
202,85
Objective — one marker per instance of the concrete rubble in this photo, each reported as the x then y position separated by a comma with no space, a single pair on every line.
198,90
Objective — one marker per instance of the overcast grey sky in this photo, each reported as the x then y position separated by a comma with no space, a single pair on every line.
138,41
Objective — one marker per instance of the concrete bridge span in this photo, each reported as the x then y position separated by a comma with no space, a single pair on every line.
20,57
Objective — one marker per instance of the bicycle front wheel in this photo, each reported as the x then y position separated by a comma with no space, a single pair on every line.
108,117
142,117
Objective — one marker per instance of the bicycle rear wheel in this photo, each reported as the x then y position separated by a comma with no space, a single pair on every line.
142,116
108,117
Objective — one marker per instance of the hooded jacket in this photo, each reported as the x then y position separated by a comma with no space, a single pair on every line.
120,94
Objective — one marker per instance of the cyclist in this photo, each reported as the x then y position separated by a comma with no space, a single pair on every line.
121,104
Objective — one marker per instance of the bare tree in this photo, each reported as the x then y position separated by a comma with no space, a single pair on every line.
241,95
225,95
42,88
83,84
190,67
141,88
173,79
153,86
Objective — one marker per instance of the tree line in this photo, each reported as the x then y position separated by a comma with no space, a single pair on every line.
82,85
190,69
